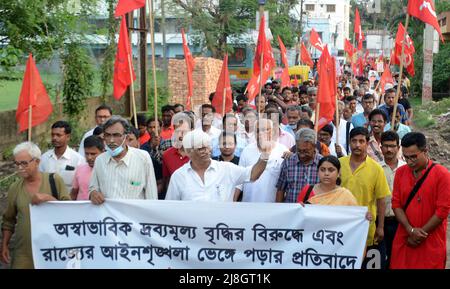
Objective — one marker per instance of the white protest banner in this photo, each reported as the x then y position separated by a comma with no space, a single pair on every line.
179,234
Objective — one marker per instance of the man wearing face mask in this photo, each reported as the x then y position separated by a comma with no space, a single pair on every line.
293,115
122,172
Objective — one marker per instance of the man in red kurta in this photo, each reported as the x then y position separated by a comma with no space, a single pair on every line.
420,240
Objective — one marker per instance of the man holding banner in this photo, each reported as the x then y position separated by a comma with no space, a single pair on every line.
122,172
203,179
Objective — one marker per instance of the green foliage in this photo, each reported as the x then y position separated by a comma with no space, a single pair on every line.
212,22
107,68
441,69
163,99
424,114
9,57
78,79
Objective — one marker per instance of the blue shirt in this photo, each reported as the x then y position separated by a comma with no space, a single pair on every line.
359,120
240,145
400,108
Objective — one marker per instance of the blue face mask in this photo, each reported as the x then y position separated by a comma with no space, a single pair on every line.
115,152
293,126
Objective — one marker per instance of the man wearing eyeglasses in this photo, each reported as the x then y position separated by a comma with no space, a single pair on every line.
420,240
390,146
122,172
204,179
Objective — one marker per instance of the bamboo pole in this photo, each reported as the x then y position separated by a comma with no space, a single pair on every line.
400,74
30,109
261,13
133,100
223,100
337,119
316,121
155,88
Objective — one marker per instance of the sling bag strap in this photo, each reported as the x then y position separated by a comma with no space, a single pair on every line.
347,136
51,179
417,187
308,192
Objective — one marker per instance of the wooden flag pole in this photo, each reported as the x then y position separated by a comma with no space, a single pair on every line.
261,13
155,91
133,100
223,101
316,122
30,111
399,85
337,119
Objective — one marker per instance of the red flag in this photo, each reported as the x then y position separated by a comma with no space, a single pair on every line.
424,10
122,73
315,40
386,77
358,68
264,48
285,79
32,94
348,47
190,64
295,80
125,6
358,29
305,57
409,50
326,92
222,84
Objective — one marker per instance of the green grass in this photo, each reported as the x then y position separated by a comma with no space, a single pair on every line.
424,114
10,89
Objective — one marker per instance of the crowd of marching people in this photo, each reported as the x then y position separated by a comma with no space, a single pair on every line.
266,150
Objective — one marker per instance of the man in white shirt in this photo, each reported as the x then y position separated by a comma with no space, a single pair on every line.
207,111
264,189
122,172
203,179
344,129
61,160
390,146
102,114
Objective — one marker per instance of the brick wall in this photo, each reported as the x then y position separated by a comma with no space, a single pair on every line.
205,76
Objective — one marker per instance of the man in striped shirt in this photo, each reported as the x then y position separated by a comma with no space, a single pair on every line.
300,169
122,172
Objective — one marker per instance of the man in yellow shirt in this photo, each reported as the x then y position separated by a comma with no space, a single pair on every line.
365,178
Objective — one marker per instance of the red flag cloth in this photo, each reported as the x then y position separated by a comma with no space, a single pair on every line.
125,6
424,10
326,93
32,94
190,64
315,40
264,48
348,47
222,84
386,77
409,50
122,73
358,29
285,79
358,68
295,80
305,57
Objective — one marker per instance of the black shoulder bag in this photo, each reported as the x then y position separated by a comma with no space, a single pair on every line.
308,192
51,179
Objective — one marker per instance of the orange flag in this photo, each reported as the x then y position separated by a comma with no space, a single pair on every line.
305,57
122,73
386,77
190,64
358,29
285,79
125,6
263,47
315,40
223,84
295,80
32,94
326,92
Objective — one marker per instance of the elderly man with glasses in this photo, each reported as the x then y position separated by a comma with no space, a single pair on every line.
122,172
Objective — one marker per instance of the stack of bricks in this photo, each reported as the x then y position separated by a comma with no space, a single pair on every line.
205,76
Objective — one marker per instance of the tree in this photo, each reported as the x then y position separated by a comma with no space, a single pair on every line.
215,21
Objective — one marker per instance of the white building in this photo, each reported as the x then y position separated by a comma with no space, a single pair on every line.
335,12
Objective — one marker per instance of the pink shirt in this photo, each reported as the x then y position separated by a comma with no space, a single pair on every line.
81,181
